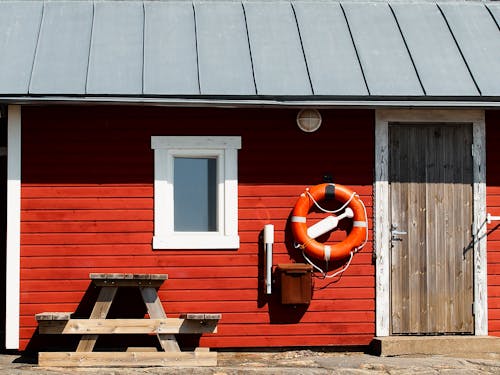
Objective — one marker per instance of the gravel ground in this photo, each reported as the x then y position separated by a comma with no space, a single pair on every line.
303,362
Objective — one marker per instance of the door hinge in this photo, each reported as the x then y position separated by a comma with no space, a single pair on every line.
473,308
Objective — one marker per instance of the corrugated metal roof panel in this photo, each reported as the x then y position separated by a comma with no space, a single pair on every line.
170,58
278,59
116,54
495,11
478,37
384,58
313,49
19,25
333,65
223,51
440,66
63,49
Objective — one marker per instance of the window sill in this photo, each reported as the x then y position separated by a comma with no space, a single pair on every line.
196,241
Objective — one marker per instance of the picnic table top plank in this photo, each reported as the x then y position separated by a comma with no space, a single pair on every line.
53,316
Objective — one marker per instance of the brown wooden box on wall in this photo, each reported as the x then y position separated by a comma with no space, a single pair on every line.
296,283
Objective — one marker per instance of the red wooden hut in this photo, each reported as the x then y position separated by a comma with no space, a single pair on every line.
161,137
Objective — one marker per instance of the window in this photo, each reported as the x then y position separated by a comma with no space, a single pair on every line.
195,192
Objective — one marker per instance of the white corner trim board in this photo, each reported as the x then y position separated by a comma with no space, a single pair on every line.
13,227
381,208
381,215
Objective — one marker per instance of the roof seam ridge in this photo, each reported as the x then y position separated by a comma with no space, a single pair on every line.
249,47
90,48
407,49
355,48
492,16
459,49
35,52
196,47
143,46
302,48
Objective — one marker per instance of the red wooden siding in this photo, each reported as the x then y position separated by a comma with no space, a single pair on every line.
87,200
493,207
87,206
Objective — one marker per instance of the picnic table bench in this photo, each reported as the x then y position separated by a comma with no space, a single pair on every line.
158,324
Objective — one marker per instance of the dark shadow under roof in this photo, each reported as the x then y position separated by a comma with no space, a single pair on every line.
299,50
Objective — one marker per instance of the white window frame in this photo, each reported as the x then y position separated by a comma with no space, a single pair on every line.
225,149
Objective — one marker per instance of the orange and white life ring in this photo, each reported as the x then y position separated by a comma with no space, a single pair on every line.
354,208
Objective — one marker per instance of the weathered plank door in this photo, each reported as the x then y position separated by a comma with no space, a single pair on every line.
431,176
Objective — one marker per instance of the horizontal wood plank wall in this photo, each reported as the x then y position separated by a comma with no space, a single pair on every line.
87,206
493,203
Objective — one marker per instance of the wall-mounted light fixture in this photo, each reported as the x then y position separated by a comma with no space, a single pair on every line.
309,120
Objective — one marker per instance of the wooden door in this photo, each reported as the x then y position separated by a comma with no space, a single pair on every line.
430,176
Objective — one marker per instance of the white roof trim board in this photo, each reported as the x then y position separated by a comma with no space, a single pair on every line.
324,51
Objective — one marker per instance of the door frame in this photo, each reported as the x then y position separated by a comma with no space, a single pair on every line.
381,208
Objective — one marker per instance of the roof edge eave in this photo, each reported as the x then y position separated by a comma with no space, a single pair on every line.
261,101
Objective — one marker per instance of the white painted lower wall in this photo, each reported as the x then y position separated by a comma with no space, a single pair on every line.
13,227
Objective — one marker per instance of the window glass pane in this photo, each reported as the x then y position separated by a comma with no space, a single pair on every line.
195,194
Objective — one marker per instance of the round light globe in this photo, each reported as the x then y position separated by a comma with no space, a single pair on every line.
309,120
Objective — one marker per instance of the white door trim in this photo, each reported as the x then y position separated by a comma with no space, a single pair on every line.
13,227
381,208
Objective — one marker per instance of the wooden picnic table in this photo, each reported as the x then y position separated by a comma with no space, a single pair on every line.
98,323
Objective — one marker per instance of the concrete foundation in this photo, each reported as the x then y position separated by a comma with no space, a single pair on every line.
434,345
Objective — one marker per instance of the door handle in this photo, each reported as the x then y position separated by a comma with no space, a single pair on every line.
395,233
398,232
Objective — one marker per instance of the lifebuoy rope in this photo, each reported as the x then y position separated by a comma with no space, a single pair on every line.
327,211
354,251
325,274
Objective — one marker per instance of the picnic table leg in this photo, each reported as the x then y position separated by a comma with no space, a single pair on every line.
100,311
155,310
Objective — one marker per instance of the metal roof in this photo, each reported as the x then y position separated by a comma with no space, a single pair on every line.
249,50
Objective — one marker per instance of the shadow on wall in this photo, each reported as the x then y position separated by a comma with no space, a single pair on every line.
128,304
102,144
492,156
280,313
493,168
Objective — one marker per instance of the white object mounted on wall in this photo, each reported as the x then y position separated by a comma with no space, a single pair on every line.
268,248
328,223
